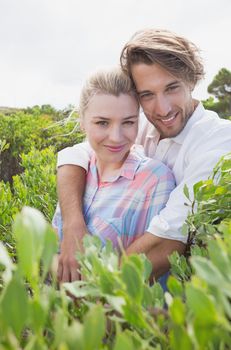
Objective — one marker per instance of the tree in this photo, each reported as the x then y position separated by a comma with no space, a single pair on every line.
220,87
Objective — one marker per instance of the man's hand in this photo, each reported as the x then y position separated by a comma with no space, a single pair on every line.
68,267
157,250
71,185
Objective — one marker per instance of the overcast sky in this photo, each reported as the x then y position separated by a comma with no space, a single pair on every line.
48,47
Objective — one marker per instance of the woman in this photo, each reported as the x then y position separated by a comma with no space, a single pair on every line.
124,189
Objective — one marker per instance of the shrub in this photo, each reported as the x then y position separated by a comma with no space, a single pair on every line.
35,187
22,131
111,308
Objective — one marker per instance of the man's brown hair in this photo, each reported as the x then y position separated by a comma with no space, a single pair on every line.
174,53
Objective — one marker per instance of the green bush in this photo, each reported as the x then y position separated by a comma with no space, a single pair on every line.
112,307
35,187
211,203
210,207
22,131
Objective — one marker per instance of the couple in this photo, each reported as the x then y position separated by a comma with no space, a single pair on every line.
121,183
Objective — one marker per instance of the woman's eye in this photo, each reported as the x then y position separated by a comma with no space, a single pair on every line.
102,123
128,122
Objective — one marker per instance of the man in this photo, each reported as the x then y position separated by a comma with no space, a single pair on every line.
164,68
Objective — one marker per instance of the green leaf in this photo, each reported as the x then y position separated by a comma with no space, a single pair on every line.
197,187
134,315
74,337
94,328
80,289
29,229
219,257
50,248
201,305
107,282
38,315
175,287
186,192
147,296
123,341
116,302
157,295
14,306
179,339
177,311
131,276
210,273
147,267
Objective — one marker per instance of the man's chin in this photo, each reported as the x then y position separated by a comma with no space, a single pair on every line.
165,134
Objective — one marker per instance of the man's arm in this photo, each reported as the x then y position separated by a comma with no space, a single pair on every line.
71,183
156,243
157,250
72,167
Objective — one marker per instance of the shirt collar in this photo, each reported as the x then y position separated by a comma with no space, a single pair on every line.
197,114
131,164
128,169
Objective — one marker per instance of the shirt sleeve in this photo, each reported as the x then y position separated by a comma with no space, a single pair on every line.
76,155
169,222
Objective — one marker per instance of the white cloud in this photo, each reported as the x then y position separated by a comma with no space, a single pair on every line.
49,46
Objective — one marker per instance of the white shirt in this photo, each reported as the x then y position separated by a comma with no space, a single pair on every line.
191,155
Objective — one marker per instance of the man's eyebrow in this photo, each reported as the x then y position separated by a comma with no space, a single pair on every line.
172,83
175,82
143,92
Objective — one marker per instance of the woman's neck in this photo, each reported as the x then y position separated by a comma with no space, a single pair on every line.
108,171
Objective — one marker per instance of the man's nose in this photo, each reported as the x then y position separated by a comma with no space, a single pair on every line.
162,106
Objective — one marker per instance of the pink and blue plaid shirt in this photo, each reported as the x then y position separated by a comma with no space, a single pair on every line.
124,207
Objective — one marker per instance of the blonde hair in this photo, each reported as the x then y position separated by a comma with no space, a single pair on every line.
174,53
110,82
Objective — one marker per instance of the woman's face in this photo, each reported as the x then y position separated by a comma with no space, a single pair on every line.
111,126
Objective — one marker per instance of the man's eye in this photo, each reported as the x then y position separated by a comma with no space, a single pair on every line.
146,96
173,88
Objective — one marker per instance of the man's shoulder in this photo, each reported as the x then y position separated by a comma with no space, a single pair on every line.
209,125
211,136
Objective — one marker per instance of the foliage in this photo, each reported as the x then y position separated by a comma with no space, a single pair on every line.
211,203
210,211
113,306
217,106
220,87
22,131
36,187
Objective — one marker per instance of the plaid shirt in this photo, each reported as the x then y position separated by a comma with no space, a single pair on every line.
124,206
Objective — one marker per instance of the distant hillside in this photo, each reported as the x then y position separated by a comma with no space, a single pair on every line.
9,110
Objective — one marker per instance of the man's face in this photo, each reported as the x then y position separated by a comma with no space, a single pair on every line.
165,99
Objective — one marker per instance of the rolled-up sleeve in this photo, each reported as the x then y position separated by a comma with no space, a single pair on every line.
76,155
168,224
